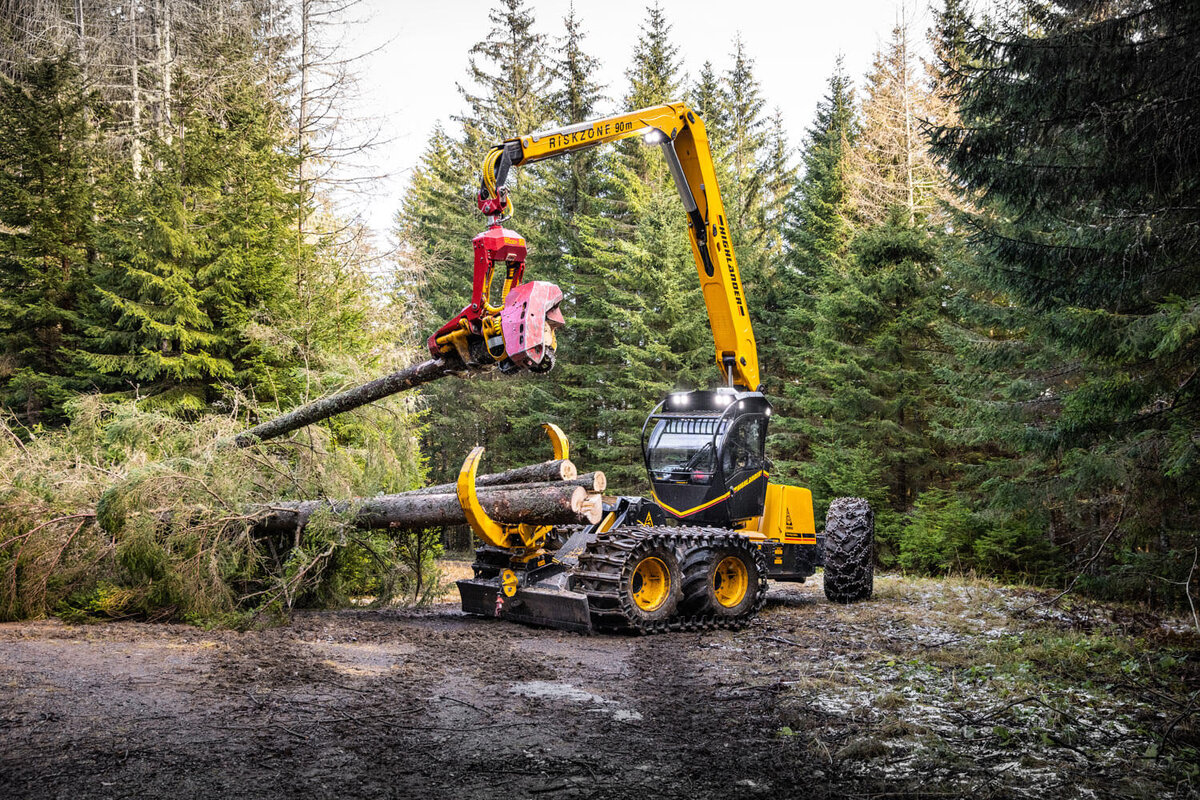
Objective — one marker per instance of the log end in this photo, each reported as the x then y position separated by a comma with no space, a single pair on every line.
592,506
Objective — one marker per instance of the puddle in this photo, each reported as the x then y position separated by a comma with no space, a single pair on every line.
550,690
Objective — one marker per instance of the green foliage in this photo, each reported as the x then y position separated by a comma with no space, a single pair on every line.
817,232
48,163
869,385
1077,145
196,255
938,537
171,534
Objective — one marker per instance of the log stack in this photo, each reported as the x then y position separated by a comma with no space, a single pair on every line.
550,493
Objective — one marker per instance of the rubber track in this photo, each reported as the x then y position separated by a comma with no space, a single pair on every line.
601,565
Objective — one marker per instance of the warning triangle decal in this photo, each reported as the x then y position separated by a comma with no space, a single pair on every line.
787,522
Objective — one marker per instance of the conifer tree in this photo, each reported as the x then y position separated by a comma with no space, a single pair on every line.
819,225
1078,146
706,99
198,253
653,79
654,72
755,180
871,386
509,93
578,189
747,134
510,79
47,235
662,269
890,157
948,41
818,231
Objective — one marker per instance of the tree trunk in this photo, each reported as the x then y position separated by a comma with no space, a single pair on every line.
350,399
162,46
548,473
594,482
557,505
135,147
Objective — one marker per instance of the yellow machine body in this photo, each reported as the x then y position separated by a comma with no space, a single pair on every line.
787,516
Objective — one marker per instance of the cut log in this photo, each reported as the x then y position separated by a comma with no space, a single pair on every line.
593,505
592,481
562,504
548,472
350,399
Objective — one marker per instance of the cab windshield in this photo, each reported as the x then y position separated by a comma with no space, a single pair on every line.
683,445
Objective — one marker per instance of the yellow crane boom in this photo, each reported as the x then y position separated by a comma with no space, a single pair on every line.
680,133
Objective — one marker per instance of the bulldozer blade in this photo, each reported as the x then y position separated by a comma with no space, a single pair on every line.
532,605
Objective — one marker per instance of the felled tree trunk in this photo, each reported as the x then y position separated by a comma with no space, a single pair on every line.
548,472
560,504
348,400
592,481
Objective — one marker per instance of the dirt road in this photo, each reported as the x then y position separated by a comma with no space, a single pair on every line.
932,689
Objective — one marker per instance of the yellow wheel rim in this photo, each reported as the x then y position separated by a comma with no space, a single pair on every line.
651,584
731,579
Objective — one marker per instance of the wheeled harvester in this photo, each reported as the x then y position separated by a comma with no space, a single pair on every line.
641,569
699,551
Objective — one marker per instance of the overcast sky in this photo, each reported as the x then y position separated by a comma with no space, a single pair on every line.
409,83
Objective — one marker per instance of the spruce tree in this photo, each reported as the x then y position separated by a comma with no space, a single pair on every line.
707,99
197,255
871,385
509,94
577,187
654,72
818,230
819,221
48,166
747,134
1078,148
510,79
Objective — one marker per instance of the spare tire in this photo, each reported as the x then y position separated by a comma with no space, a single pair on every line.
849,550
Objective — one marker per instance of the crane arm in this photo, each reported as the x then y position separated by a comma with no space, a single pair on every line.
682,138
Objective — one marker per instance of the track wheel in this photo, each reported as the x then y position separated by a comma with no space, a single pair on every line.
849,550
720,580
650,583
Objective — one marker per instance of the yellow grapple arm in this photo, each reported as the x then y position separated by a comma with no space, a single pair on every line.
681,136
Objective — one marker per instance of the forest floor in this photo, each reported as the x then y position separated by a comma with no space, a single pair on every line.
932,689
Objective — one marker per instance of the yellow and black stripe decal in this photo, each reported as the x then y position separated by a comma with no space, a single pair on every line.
712,502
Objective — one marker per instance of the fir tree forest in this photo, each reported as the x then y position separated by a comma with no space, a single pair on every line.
973,276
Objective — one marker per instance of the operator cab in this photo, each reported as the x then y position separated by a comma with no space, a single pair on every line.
705,454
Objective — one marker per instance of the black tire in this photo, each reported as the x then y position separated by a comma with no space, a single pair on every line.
631,583
849,550
702,582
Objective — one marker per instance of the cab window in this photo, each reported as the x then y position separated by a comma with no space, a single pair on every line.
744,446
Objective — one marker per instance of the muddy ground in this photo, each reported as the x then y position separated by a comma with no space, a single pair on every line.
933,689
